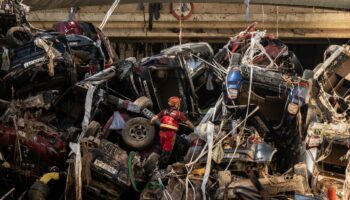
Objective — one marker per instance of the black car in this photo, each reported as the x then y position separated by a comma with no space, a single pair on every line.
178,71
88,56
90,31
43,64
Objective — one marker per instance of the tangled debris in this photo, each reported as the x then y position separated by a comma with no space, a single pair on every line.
76,121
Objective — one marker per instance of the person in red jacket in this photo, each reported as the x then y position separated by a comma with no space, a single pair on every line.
169,124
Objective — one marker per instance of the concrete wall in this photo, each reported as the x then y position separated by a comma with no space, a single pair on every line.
213,22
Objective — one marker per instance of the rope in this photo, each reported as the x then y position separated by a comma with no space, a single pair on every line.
245,119
202,153
180,24
7,194
87,110
254,47
17,144
189,171
194,191
326,152
210,140
77,172
249,94
165,191
346,186
109,14
217,67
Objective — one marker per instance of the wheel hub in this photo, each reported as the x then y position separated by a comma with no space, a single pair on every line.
138,132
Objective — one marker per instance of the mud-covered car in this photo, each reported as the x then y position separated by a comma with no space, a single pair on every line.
130,119
327,121
260,69
274,187
43,64
89,30
283,103
260,49
42,147
91,49
268,89
109,176
109,172
87,55
241,148
29,147
173,72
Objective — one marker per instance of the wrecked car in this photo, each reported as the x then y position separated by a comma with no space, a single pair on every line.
88,57
269,187
261,76
129,119
109,171
327,140
113,171
259,49
29,147
173,68
261,69
87,29
43,64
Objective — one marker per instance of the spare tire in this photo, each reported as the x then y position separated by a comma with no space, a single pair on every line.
143,102
19,35
138,133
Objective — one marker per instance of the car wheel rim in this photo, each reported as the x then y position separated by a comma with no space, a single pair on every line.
138,132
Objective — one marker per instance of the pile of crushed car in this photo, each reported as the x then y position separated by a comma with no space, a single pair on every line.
247,122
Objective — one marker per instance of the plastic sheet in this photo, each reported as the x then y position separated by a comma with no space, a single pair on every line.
118,122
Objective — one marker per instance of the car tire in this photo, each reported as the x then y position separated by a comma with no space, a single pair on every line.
143,102
138,133
92,129
12,34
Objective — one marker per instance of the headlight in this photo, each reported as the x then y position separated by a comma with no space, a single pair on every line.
233,93
293,108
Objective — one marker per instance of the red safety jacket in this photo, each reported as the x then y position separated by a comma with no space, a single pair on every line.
169,119
169,123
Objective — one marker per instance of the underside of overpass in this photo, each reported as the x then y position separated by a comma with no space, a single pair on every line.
306,30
